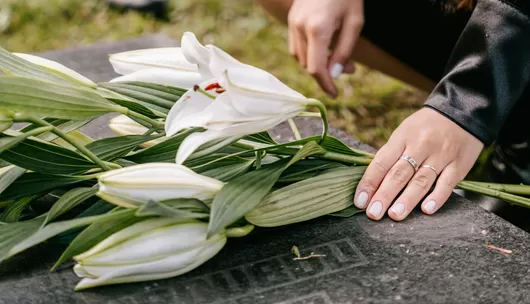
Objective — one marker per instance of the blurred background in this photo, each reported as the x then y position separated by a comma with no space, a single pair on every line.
370,105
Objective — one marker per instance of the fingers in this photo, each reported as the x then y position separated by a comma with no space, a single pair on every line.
385,158
318,41
346,41
393,183
417,188
445,185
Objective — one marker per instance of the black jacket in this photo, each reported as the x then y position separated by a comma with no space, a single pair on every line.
488,70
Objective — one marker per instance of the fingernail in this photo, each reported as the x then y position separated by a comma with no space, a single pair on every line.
336,70
376,209
362,200
398,209
430,206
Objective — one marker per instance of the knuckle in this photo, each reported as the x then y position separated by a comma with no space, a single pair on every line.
421,180
378,167
398,175
385,196
448,183
315,27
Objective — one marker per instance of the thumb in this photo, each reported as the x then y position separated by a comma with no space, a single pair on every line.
346,40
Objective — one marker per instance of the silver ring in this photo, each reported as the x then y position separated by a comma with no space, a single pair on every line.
411,161
432,168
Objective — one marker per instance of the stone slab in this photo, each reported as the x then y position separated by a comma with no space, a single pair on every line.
438,259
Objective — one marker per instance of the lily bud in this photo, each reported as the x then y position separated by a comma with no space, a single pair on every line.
6,120
153,249
123,125
165,66
57,68
135,185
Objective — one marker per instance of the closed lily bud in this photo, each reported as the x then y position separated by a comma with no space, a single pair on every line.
136,185
123,125
6,120
153,249
58,68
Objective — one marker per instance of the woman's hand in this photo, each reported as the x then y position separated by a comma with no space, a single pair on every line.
430,139
312,27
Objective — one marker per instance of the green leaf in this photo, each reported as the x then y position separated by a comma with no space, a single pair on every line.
37,183
347,212
246,191
263,137
317,196
39,98
136,107
212,147
97,232
165,151
69,200
15,208
64,125
40,156
307,168
17,237
16,66
174,208
114,147
159,96
228,172
8,177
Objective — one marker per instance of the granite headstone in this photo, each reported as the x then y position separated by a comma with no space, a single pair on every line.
425,259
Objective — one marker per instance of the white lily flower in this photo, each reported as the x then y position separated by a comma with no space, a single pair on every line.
124,125
165,66
58,69
153,249
237,100
135,185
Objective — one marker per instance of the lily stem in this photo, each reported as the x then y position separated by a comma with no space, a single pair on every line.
508,197
23,118
508,188
323,112
350,159
293,126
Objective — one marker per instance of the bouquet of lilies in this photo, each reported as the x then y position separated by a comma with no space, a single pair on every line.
192,165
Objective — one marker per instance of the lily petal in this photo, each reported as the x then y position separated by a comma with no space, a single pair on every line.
196,53
176,78
57,68
129,62
189,110
194,141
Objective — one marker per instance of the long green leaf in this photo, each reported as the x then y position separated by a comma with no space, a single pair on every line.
97,232
29,236
64,125
138,108
9,176
263,137
37,183
16,66
40,156
244,192
307,168
162,152
114,147
35,97
175,208
229,172
68,201
15,208
151,94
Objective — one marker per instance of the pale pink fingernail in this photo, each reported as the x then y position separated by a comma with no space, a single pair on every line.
375,209
430,206
336,70
398,209
362,200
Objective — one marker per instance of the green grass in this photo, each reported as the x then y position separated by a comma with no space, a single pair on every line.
370,105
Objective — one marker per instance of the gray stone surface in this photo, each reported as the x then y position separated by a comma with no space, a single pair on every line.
438,259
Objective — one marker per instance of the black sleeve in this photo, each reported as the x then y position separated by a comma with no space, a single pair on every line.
487,70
